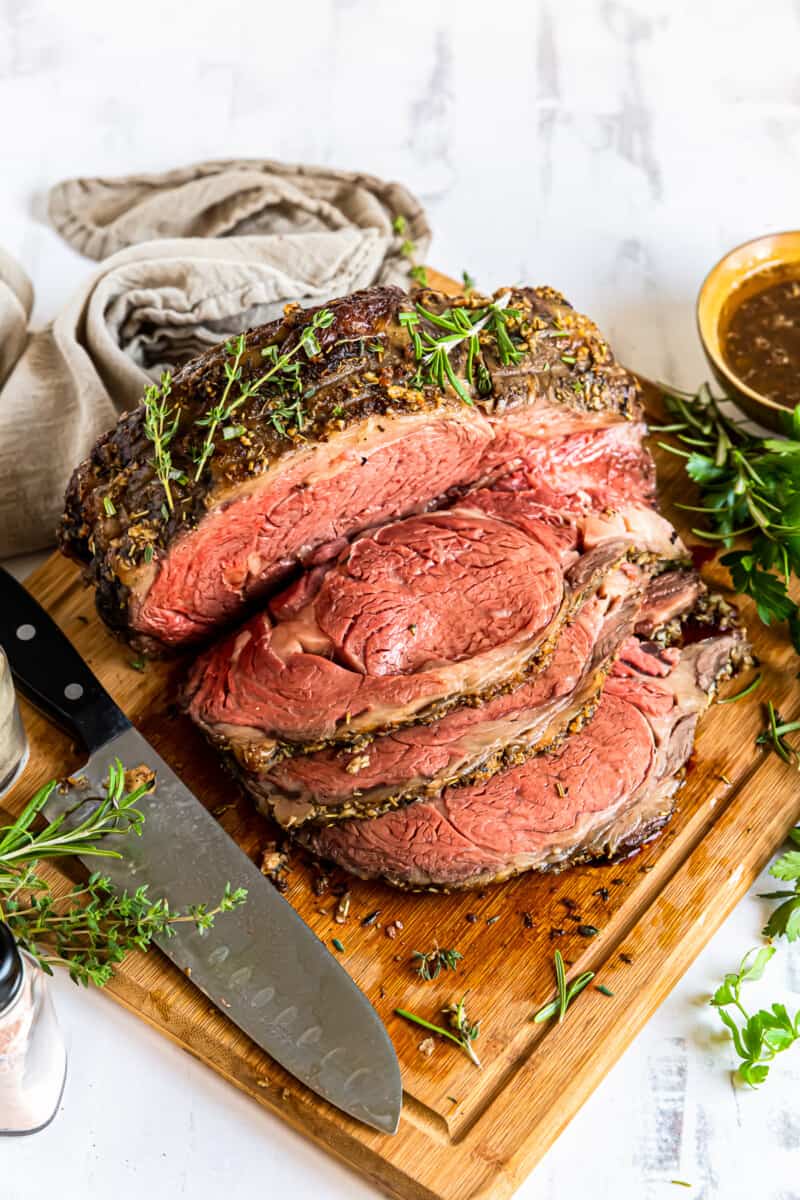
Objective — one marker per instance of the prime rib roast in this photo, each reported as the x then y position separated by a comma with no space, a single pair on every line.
375,442
445,635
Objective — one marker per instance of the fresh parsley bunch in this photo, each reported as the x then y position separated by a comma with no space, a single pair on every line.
762,1035
750,488
759,1036
91,928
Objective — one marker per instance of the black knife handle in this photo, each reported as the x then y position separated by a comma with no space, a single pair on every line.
49,671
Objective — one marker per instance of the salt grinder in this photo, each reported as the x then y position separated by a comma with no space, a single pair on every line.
33,1058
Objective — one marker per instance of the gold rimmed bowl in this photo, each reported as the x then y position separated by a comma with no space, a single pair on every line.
736,277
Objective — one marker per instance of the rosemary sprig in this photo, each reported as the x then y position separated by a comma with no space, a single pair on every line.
430,963
434,337
160,425
746,691
462,1031
91,928
750,488
566,993
282,369
774,736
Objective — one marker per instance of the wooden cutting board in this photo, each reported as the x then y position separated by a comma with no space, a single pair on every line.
467,1133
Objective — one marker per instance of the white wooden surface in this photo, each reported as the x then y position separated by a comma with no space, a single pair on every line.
612,150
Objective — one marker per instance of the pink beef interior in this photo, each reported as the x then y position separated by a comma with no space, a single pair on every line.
390,467
410,614
430,591
517,814
606,783
246,543
427,751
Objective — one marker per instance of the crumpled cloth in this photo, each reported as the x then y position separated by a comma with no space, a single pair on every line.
189,257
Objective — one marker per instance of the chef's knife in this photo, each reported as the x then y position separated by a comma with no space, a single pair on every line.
260,964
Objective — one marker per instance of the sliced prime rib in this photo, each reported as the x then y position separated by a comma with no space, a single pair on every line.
607,789
336,782
358,435
414,618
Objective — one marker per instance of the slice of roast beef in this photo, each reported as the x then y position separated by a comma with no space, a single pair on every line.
670,596
336,783
414,618
358,430
608,787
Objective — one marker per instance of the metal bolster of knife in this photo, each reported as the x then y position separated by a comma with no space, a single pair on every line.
50,673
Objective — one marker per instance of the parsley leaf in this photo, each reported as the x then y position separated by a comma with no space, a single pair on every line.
785,920
759,1036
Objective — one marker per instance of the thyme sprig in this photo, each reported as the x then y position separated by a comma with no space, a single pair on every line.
409,250
221,412
430,963
434,337
282,369
160,425
462,1031
750,488
91,928
760,1036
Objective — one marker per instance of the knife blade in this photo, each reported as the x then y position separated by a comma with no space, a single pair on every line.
260,965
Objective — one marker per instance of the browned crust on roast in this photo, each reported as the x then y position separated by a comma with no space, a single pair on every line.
364,369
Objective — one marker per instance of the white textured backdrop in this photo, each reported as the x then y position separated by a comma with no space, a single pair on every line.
612,150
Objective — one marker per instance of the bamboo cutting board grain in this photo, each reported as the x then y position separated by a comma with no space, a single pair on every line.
466,1134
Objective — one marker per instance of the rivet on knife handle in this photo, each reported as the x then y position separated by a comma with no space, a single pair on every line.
50,673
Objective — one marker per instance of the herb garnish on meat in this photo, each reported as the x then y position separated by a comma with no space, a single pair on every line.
282,370
160,424
434,336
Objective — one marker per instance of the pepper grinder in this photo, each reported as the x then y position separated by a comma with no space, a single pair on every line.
33,1057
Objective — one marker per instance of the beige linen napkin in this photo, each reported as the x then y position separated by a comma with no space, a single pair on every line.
236,241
